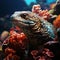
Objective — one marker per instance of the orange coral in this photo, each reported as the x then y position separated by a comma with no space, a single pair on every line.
17,43
42,13
56,22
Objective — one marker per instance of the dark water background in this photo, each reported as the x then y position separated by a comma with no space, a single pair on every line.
10,6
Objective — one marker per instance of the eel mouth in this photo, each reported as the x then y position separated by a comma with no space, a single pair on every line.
26,23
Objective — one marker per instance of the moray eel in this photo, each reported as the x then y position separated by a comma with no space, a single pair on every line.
38,30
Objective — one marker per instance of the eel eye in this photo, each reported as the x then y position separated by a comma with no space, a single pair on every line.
24,15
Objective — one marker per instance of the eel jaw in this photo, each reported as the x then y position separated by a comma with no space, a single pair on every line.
25,23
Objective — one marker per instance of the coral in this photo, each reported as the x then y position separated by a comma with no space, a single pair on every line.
56,22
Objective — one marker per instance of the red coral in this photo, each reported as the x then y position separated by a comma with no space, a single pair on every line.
34,52
48,52
17,42
56,22
42,13
12,57
9,50
17,39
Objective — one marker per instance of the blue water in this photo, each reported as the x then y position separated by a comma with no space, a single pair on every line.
51,1
28,2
